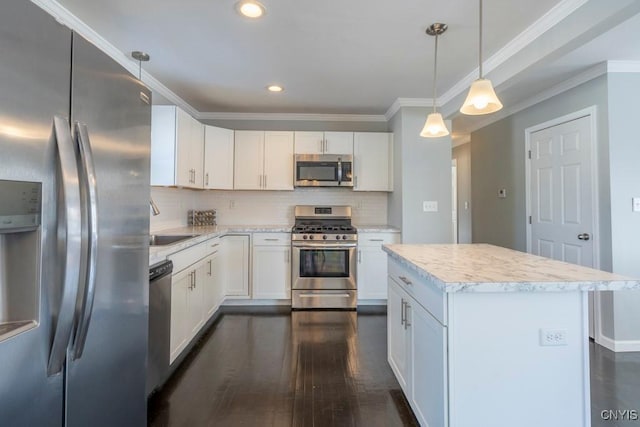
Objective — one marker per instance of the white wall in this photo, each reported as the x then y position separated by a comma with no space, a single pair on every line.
262,207
424,166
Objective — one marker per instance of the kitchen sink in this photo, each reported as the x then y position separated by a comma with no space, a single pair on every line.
163,240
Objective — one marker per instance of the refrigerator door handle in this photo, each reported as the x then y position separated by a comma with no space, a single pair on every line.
91,200
72,253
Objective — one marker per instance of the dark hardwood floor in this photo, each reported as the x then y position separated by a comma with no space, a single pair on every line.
325,368
301,368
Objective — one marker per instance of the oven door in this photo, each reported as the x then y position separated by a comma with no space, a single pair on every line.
323,266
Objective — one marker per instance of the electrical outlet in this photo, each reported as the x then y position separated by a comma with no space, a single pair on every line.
430,206
502,193
553,337
232,204
635,203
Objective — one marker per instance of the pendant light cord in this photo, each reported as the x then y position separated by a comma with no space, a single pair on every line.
480,40
435,70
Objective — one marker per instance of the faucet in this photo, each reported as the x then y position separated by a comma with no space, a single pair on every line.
154,207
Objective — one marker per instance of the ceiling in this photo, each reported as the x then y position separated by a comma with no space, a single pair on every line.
358,57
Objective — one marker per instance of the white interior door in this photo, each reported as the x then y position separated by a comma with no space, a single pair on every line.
561,194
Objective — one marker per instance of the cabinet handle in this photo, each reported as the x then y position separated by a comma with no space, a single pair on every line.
206,179
209,267
376,240
265,181
271,240
406,315
405,280
402,311
260,181
359,256
217,244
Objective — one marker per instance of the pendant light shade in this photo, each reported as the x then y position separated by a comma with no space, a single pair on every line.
482,99
434,127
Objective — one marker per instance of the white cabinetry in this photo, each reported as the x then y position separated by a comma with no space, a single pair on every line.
324,142
373,161
235,265
372,264
177,148
417,353
218,158
271,266
263,160
213,294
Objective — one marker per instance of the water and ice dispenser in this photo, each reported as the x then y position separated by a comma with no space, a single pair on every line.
20,219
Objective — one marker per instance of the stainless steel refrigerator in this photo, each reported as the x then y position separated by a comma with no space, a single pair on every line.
74,165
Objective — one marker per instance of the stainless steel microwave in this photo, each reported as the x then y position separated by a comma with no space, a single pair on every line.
324,170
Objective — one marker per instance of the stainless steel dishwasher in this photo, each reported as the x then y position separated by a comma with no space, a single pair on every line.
159,324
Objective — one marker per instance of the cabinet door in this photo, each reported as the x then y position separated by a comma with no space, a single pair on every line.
428,358
338,142
195,300
397,334
271,272
211,292
235,250
179,312
278,161
373,161
184,170
309,142
249,155
372,272
163,145
218,158
197,153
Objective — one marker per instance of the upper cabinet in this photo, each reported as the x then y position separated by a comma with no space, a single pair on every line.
324,142
177,145
218,158
373,161
263,160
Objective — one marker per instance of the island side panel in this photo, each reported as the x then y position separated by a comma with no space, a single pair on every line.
501,375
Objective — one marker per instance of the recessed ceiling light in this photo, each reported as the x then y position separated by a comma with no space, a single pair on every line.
250,8
275,88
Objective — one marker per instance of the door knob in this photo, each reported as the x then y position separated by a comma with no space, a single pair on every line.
584,236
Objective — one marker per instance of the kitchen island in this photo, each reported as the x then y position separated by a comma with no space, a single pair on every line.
480,335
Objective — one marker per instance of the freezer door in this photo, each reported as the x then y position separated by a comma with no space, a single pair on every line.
106,378
35,65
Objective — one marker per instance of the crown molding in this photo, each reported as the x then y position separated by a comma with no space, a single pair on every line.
409,102
293,117
623,66
547,21
589,74
66,18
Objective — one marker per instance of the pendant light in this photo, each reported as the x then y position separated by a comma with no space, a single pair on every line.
482,99
434,127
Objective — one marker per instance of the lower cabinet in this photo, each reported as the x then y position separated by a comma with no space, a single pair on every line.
235,265
212,289
372,264
272,266
186,307
417,353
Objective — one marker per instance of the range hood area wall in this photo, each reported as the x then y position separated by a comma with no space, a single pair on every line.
262,207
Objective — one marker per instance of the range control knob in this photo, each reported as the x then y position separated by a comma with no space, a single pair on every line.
344,237
324,237
337,237
305,237
311,237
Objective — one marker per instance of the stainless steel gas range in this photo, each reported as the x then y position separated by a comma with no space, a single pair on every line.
323,247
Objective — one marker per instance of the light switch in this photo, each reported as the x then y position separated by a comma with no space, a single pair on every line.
430,206
502,193
635,204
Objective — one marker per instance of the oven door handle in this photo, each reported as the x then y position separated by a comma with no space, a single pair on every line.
325,246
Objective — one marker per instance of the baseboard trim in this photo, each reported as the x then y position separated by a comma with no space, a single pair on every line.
618,346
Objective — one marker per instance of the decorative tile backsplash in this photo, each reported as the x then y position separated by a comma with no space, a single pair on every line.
262,207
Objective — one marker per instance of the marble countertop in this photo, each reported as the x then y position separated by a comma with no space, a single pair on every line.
488,268
376,228
202,233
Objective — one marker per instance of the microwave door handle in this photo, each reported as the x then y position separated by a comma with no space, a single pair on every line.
73,245
339,171
86,156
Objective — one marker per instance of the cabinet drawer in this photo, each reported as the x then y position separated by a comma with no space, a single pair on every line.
271,239
425,293
186,257
377,239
